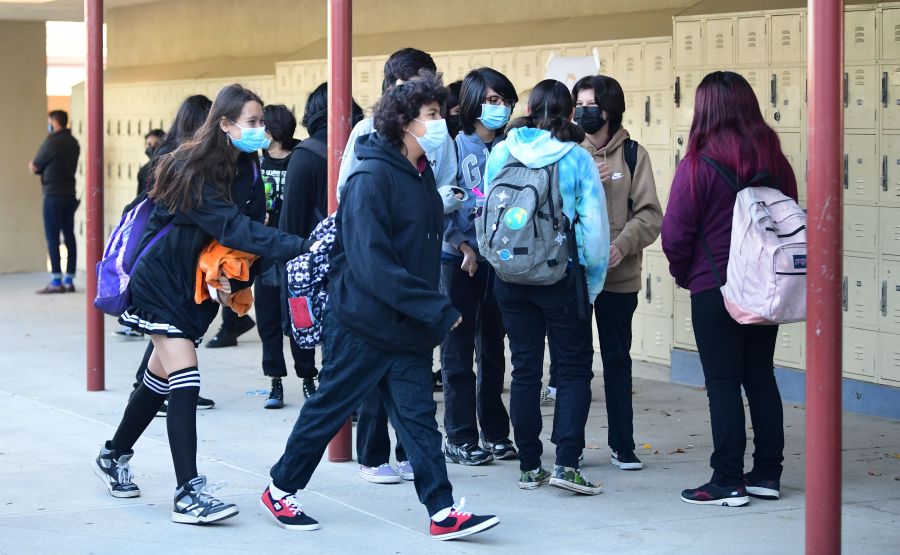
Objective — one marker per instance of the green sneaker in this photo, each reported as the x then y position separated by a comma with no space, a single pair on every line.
572,479
532,479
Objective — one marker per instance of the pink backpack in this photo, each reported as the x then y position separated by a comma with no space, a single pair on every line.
766,281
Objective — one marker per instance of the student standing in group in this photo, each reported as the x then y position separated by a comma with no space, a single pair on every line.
729,129
196,190
470,398
635,217
546,139
152,140
385,314
452,109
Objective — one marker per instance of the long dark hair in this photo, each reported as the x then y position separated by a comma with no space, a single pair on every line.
608,95
474,89
315,114
206,158
729,128
551,107
191,115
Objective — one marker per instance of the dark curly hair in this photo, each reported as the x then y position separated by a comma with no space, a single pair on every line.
401,105
551,108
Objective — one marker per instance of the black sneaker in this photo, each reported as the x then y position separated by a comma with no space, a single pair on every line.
205,404
437,381
195,505
113,469
276,395
244,324
468,454
459,524
161,411
626,460
128,333
222,339
287,512
501,450
762,489
309,387
711,494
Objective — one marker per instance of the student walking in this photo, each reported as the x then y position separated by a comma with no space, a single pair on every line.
192,194
486,101
382,336
635,217
513,230
728,129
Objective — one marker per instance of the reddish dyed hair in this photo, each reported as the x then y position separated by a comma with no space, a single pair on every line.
729,128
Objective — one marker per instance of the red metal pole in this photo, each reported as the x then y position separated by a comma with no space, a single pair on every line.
340,34
93,16
824,263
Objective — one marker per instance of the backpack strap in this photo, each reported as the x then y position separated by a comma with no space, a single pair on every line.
316,146
631,149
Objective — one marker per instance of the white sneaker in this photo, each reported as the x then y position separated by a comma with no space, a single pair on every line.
405,470
548,396
382,474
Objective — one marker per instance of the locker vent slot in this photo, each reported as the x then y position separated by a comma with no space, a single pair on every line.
658,63
688,43
786,38
859,35
897,33
720,41
751,39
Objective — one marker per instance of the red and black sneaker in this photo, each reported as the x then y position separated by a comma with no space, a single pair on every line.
711,494
459,524
762,489
287,512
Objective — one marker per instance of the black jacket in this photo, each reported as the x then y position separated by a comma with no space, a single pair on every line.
57,161
163,281
305,201
386,260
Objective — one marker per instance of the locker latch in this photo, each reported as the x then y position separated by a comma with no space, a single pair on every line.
844,292
884,90
884,298
846,90
649,294
884,173
678,92
773,91
846,172
647,111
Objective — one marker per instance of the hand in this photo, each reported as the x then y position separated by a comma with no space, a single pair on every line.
470,259
224,285
615,256
31,167
456,324
605,171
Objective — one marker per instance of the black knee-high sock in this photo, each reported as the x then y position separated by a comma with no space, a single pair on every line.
140,411
181,422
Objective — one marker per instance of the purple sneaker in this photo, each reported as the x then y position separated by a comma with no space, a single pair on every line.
383,474
405,470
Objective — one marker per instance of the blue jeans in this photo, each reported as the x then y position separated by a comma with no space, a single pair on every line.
352,369
59,216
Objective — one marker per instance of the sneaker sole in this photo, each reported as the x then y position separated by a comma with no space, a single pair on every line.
408,476
763,493
105,479
627,466
584,490
486,525
380,479
216,517
533,485
274,406
301,527
450,459
205,407
730,502
508,456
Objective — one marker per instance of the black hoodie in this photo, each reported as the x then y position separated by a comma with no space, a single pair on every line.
386,260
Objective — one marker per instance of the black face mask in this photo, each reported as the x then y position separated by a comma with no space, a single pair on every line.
453,125
149,151
590,118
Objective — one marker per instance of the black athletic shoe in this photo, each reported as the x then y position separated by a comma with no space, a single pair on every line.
128,333
244,324
113,469
501,450
287,511
161,411
459,524
468,454
711,494
626,460
762,489
205,404
222,339
437,381
195,505
309,387
276,395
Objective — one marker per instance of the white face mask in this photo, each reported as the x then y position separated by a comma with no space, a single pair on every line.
435,135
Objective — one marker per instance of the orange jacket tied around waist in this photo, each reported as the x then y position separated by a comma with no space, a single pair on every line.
217,259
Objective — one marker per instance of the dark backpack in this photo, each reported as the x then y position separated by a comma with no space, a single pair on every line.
631,149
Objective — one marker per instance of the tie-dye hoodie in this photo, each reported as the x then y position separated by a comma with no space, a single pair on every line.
584,201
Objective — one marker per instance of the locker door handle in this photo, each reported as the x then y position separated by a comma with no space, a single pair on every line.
884,298
773,91
846,90
844,293
678,92
647,111
677,157
846,172
884,175
884,89
649,293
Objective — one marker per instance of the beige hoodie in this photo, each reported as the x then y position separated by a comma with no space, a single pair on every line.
635,215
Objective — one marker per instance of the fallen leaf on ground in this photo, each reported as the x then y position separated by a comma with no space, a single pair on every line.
874,473
647,446
679,451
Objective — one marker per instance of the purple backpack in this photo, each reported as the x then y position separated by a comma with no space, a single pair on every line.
120,257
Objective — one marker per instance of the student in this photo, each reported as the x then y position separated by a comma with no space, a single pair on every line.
192,191
486,101
152,140
635,217
385,314
546,136
452,109
729,129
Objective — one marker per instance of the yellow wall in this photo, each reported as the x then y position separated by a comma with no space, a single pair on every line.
23,87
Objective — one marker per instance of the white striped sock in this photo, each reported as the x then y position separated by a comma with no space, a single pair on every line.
155,384
184,378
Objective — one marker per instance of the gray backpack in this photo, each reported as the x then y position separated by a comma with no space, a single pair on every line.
523,232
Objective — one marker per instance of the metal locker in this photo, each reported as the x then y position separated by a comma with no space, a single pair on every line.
890,34
684,326
861,93
681,140
752,43
364,77
688,44
787,97
543,58
481,58
860,352
658,294
889,302
890,169
890,96
685,89
632,119
658,338
629,67
657,118
890,357
758,78
888,230
860,229
720,43
460,64
792,148
661,160
526,74
441,61
575,51
859,36
786,41
682,295
657,65
860,292
505,63
637,337
789,345
607,56
861,168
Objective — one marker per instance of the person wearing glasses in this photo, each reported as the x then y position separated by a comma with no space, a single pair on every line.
486,101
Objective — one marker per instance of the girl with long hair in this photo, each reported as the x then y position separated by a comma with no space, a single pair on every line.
728,129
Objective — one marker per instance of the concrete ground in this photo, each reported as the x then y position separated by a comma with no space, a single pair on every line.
51,428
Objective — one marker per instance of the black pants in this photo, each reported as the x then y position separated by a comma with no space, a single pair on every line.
59,217
735,355
528,312
373,442
614,313
352,369
467,393
269,325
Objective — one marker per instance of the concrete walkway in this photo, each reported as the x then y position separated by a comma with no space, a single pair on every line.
51,428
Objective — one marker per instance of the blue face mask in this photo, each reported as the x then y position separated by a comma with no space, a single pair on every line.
435,136
50,128
251,139
494,116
